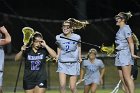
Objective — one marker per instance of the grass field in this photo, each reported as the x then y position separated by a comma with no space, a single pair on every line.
81,91
110,80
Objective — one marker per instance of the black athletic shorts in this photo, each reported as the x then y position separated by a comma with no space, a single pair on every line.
30,85
134,71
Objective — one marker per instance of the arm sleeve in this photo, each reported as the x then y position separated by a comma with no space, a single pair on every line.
57,41
83,64
101,64
127,32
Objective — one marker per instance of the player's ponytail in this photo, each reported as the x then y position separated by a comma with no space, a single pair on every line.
126,16
76,24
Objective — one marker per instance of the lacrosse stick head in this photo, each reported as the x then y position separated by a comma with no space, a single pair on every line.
27,33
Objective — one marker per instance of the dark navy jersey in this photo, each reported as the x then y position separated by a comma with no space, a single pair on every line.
35,65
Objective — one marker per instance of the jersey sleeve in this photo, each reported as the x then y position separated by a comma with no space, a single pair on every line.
58,40
101,64
78,37
83,64
127,32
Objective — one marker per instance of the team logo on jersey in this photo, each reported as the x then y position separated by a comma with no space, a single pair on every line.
128,33
30,57
69,43
41,84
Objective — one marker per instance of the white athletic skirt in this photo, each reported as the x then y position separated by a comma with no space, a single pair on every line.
69,68
123,58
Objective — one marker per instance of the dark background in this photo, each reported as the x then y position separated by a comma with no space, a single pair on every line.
46,16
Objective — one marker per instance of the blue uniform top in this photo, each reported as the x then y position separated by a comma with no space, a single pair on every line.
121,37
1,56
69,48
92,70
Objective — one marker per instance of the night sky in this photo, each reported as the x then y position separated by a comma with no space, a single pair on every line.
97,32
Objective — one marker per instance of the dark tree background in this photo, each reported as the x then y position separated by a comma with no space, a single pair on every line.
100,14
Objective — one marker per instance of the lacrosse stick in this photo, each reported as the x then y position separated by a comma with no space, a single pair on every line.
79,82
27,32
81,42
109,50
116,89
17,76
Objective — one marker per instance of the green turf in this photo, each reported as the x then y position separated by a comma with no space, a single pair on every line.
81,91
11,69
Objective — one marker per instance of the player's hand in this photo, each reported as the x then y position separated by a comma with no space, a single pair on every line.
56,59
43,43
79,81
80,60
135,56
23,48
3,29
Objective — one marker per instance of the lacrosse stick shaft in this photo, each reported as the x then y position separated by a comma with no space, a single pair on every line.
79,82
81,42
115,90
17,76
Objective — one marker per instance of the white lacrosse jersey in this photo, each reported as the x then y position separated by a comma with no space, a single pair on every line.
1,56
121,37
69,48
92,74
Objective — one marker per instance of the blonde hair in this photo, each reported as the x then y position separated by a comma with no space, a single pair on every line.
135,40
92,50
126,16
76,24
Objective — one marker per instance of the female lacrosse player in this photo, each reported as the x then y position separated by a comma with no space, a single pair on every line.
94,72
35,76
3,41
69,54
125,51
134,69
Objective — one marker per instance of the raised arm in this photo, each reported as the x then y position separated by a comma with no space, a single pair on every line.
20,53
7,38
50,50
